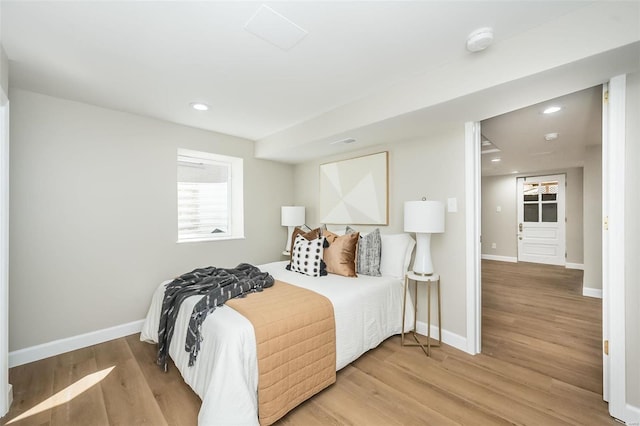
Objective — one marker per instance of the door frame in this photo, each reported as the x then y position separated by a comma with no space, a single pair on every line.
473,238
6,394
613,245
613,265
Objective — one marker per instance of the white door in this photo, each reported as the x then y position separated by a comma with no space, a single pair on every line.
541,219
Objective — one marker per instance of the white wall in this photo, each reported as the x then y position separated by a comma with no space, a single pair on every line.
94,216
501,227
4,70
593,218
632,240
433,168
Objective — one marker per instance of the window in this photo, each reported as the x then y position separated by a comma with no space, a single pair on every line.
210,199
540,202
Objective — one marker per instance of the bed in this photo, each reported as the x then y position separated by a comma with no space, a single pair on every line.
367,311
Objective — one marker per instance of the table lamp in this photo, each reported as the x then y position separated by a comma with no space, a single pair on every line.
291,216
424,218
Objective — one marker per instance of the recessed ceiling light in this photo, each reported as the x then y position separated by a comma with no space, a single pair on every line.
551,136
515,171
199,106
495,160
551,109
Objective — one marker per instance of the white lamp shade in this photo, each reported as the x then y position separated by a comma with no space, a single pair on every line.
424,216
292,215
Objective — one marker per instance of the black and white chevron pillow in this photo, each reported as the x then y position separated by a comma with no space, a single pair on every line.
306,256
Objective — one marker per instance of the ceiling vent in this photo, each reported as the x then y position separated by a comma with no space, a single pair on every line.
345,141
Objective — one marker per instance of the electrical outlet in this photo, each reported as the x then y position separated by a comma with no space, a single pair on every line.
493,245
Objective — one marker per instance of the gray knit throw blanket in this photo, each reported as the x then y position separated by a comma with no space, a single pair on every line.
216,285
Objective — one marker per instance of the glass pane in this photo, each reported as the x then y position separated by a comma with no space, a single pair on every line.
549,191
530,212
550,212
530,191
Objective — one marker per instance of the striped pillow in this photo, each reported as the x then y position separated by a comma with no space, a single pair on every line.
369,251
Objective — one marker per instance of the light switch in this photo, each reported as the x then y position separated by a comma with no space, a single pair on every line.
498,209
452,205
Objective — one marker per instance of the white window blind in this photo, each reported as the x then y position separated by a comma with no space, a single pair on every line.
207,205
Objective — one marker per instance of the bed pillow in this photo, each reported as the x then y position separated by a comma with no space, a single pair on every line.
340,256
395,254
306,256
308,235
369,249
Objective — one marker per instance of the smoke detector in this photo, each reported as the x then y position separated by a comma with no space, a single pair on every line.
480,39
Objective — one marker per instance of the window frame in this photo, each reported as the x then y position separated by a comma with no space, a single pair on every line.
235,196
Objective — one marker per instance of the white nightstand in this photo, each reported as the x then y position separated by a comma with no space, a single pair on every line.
428,280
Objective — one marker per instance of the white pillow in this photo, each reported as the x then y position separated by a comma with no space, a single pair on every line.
306,256
396,254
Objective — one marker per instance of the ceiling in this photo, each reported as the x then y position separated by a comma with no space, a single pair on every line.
517,138
381,71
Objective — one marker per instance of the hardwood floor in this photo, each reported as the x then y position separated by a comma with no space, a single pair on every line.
535,316
540,365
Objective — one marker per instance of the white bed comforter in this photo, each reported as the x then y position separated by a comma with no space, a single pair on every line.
225,375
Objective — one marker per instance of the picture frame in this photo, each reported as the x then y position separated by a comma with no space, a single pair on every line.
355,191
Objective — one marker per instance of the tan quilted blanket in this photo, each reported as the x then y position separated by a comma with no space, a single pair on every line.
295,337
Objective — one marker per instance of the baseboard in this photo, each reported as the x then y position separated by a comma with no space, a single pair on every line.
5,405
632,414
451,339
569,265
499,258
592,292
45,350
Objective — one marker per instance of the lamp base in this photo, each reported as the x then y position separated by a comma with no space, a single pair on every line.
422,264
287,246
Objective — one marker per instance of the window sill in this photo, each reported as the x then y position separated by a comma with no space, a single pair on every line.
209,239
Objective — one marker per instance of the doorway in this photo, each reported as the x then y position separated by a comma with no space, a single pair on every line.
531,157
613,244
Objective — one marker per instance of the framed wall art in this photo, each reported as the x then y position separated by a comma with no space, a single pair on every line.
355,191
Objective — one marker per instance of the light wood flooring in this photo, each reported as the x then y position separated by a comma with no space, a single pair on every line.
540,366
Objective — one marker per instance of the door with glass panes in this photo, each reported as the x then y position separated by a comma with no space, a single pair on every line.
541,219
